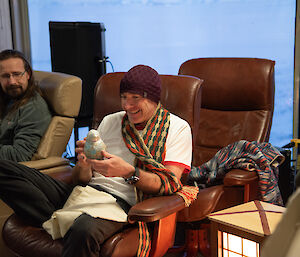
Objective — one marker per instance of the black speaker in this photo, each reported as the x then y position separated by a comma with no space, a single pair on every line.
78,48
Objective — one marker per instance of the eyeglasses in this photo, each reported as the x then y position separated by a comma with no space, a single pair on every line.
15,75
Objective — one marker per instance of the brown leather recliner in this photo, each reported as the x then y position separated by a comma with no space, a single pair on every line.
181,95
237,103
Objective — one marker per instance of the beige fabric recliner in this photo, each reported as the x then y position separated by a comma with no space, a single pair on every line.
63,95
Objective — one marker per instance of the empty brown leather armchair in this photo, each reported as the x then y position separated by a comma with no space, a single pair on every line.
237,103
25,240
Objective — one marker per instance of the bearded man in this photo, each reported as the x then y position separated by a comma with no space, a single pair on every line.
24,114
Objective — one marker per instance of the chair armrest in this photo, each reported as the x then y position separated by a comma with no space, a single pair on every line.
156,208
56,167
47,163
238,177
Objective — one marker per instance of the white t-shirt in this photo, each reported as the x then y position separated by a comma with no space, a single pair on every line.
178,151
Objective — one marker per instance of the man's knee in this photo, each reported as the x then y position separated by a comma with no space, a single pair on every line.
84,237
4,164
11,168
86,228
82,227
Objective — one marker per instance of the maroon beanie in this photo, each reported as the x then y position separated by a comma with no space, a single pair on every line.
142,80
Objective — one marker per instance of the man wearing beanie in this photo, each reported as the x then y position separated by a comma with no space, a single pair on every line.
147,150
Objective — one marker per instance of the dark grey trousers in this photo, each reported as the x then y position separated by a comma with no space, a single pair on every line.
34,196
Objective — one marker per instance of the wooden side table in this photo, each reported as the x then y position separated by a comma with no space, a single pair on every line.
241,230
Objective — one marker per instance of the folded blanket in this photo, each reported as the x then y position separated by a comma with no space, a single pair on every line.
262,158
87,200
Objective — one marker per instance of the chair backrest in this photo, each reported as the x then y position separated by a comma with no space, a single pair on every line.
181,95
62,92
237,102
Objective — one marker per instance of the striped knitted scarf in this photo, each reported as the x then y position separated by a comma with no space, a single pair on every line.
149,149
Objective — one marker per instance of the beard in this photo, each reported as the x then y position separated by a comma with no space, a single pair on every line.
15,91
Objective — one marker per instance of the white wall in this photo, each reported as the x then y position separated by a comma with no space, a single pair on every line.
165,33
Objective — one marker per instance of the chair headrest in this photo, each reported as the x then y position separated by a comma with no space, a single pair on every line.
61,91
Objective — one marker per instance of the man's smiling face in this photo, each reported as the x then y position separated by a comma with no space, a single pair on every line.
139,109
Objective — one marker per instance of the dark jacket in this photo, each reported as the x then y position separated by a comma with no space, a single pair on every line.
21,132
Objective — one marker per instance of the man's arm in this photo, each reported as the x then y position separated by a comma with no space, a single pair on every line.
150,183
26,128
114,166
82,172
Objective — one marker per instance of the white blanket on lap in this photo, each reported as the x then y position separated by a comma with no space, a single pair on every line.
87,200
